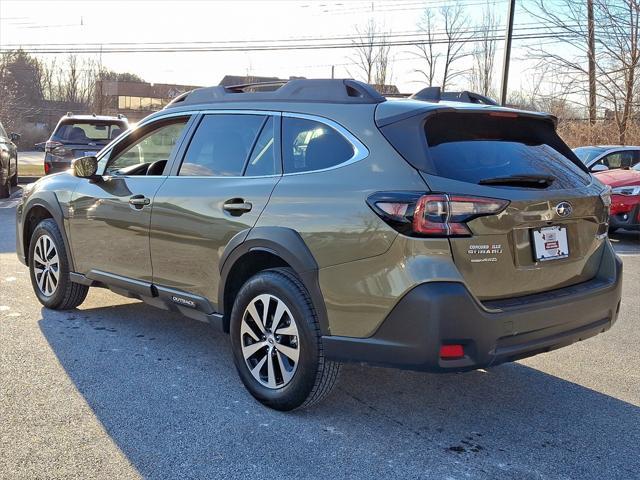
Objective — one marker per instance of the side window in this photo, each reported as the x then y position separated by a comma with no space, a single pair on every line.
613,160
626,160
153,146
221,145
310,145
263,159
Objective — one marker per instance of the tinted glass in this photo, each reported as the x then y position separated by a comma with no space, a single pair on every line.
472,148
263,159
3,133
221,145
617,160
83,132
586,154
309,145
154,146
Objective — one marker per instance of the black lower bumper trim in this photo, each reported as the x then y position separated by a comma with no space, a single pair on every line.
438,313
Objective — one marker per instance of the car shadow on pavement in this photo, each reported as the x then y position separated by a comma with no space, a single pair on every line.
166,391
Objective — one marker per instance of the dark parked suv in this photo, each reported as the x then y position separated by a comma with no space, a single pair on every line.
78,136
320,222
8,162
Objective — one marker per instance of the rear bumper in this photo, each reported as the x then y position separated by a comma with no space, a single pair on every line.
437,313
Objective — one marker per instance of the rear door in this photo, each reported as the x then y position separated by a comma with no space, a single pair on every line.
552,232
217,191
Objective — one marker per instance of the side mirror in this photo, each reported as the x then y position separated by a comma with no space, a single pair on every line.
14,137
85,167
599,168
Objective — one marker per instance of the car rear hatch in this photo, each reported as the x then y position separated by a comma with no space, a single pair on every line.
75,138
545,220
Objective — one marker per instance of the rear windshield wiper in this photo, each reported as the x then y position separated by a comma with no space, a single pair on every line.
526,180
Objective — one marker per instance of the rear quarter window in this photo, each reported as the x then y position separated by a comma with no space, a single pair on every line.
309,145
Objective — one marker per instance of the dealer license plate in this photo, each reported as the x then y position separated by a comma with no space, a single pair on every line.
550,243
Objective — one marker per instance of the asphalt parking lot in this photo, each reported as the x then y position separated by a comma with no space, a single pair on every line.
117,389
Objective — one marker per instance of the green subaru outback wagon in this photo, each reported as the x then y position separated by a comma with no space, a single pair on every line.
318,222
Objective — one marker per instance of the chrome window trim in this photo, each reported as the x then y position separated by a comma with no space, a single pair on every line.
120,138
360,151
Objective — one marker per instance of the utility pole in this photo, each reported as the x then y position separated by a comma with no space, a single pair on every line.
507,51
333,71
592,62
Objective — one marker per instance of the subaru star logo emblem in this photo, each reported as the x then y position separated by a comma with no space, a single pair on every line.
564,209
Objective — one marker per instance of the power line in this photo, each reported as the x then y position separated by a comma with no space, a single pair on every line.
398,39
383,35
269,48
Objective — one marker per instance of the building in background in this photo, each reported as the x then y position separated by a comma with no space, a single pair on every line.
229,80
135,100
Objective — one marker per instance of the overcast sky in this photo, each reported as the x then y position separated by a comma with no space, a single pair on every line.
48,22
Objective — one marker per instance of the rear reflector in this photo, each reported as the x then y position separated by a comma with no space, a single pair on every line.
449,352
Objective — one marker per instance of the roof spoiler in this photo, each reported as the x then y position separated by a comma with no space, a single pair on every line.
435,94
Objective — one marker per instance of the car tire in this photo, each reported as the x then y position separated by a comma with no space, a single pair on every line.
264,353
49,269
5,187
14,179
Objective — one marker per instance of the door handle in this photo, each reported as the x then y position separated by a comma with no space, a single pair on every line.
237,206
139,201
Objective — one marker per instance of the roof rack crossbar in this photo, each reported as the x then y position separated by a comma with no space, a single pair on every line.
435,94
296,90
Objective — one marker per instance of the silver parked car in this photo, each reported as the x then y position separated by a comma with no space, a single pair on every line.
607,157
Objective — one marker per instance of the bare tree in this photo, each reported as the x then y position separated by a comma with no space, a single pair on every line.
609,58
455,23
382,65
484,53
9,94
619,60
366,50
427,51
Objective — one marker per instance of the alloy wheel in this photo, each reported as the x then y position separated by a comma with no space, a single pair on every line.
46,266
270,341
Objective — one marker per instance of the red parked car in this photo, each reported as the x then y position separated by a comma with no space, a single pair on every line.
625,197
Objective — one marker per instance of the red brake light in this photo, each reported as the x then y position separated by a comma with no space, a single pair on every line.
433,215
446,215
503,114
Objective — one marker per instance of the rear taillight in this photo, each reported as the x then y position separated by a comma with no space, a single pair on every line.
55,148
433,215
50,145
